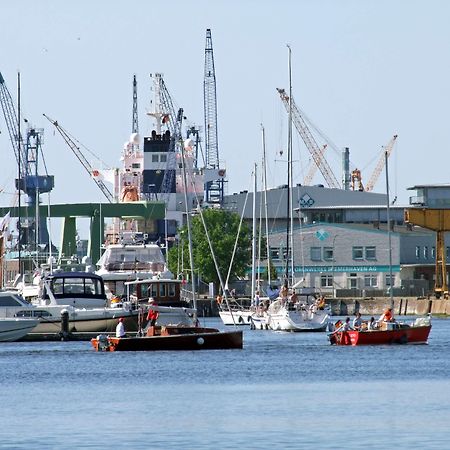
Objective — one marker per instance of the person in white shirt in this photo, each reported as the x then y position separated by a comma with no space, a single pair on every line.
120,329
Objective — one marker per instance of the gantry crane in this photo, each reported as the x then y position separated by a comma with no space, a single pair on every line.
214,190
379,167
93,173
309,140
437,220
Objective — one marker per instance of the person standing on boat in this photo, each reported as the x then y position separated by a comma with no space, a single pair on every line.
152,315
357,321
120,329
256,299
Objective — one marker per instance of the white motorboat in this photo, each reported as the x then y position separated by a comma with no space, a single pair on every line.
121,263
47,317
13,329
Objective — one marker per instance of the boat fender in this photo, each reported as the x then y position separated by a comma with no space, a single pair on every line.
200,341
240,320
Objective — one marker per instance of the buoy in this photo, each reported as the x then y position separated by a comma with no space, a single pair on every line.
200,341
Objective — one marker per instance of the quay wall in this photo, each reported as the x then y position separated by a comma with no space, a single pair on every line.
410,306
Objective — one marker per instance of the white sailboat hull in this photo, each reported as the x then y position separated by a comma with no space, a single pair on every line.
240,317
298,320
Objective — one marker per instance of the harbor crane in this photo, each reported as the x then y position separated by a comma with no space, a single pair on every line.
379,167
29,181
309,140
93,173
214,189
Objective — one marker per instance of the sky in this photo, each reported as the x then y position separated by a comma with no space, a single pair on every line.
362,71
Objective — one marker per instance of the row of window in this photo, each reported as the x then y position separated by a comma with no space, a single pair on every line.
358,253
370,280
156,157
426,252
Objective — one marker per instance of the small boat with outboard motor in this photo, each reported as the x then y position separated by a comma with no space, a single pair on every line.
386,333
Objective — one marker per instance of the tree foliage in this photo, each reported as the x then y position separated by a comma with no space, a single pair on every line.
222,228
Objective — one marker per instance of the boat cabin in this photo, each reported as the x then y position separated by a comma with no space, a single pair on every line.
165,292
79,289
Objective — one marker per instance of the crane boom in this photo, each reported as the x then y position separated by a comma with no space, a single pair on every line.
12,123
309,141
84,162
313,169
379,167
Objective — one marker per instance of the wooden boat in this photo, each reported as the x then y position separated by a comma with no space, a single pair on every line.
390,333
172,338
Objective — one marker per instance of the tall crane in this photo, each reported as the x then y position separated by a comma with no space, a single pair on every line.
214,190
379,167
85,163
29,181
135,121
309,141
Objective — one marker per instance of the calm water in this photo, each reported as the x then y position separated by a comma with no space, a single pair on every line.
283,391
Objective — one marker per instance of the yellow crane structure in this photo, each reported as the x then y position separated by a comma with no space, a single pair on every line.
437,220
380,164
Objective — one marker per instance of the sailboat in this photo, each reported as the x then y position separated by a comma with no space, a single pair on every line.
297,309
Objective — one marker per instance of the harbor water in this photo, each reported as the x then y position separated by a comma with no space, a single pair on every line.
283,390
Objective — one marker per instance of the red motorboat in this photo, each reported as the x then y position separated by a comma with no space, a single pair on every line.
172,338
389,333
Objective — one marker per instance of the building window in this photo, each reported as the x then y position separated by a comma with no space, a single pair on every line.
447,252
425,252
370,280
417,251
274,253
326,281
352,281
328,253
155,157
371,253
388,280
358,253
316,253
163,158
135,165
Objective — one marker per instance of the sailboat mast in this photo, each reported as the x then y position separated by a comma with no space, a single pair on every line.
188,223
265,203
254,234
289,153
19,170
388,220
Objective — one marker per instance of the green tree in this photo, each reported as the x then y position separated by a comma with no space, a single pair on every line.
222,228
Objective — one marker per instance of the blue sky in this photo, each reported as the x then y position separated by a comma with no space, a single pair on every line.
362,71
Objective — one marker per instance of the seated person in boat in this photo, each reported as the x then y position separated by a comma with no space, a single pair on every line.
120,329
388,316
294,298
357,321
321,303
343,329
372,324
